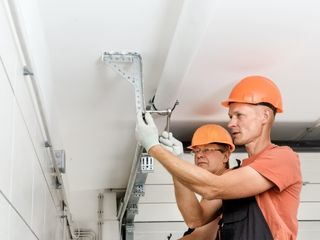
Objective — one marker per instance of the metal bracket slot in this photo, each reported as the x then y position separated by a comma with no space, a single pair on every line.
146,164
133,209
138,191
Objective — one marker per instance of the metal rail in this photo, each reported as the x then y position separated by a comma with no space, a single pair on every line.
26,71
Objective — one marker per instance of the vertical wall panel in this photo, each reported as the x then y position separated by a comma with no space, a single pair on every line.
38,203
4,218
22,170
59,229
18,228
51,215
8,50
6,130
29,112
26,204
110,230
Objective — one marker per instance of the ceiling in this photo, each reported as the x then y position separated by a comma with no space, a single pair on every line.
192,51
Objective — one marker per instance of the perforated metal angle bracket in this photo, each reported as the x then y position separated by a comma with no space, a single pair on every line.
117,61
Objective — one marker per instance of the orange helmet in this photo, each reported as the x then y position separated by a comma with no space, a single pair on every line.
255,90
211,133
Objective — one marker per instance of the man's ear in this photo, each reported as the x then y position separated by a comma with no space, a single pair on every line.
271,115
267,115
226,155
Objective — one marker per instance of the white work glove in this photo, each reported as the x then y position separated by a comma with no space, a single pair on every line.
171,143
146,132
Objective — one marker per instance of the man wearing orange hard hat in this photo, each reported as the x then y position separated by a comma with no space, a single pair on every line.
211,146
261,198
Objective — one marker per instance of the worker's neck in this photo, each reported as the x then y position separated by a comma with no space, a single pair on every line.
257,146
221,171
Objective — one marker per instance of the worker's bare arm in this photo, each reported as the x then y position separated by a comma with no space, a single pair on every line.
206,232
195,213
234,184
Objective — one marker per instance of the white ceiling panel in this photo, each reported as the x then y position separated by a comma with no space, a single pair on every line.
96,107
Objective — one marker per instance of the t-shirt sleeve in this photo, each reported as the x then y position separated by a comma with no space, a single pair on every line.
280,165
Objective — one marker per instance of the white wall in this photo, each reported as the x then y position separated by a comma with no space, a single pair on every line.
27,206
84,207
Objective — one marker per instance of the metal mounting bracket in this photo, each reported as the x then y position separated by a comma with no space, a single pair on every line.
59,156
27,71
117,61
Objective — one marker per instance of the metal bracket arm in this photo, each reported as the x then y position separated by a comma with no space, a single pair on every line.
116,62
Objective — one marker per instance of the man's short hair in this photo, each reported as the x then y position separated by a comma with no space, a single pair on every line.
274,109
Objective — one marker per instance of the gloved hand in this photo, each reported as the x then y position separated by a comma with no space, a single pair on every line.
146,131
172,144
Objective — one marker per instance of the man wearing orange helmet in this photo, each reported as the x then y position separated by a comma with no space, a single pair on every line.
211,146
261,198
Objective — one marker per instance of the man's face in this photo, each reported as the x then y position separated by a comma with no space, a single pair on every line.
210,158
245,122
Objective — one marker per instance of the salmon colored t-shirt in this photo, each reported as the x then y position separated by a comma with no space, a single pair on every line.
279,205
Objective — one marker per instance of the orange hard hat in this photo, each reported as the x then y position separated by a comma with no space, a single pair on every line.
255,90
211,133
